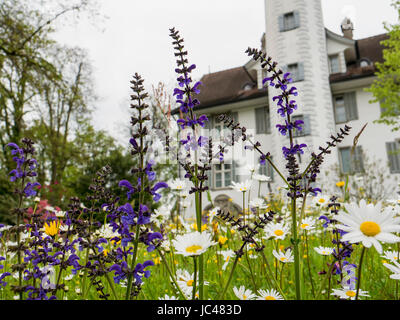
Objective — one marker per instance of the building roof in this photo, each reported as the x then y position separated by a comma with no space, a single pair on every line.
228,86
369,49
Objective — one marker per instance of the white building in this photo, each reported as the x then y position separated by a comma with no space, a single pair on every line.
331,72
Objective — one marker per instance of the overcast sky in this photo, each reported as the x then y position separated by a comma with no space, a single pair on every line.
134,38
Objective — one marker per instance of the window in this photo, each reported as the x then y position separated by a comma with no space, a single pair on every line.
334,64
289,21
263,124
351,162
247,87
345,107
393,152
364,63
306,128
222,175
296,71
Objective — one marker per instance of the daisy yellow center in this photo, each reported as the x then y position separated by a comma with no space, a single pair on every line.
304,225
244,297
370,228
278,232
350,293
52,228
194,248
321,200
190,283
270,298
282,259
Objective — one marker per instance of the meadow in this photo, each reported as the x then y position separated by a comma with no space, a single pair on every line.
290,244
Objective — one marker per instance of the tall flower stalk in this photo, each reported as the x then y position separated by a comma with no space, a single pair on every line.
193,142
26,164
140,215
286,106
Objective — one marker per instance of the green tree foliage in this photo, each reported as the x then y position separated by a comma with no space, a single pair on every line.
386,88
45,89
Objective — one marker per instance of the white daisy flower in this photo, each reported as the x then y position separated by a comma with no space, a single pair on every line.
106,231
193,244
261,178
167,297
68,277
277,230
177,184
64,227
284,257
320,200
367,224
241,186
349,293
307,223
227,254
185,203
49,208
185,281
269,295
325,251
59,213
162,213
395,269
5,228
258,203
244,294
252,167
391,255
212,213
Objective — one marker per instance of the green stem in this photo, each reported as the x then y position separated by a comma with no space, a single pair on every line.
309,267
359,272
165,263
230,278
194,278
134,255
272,279
296,251
325,279
201,257
281,275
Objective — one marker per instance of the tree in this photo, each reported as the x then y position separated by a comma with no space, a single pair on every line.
386,88
45,89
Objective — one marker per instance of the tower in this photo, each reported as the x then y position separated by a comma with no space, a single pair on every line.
296,39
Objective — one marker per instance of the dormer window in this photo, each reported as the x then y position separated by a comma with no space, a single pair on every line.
247,87
334,64
364,63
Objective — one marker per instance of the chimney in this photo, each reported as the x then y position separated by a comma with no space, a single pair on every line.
263,46
347,28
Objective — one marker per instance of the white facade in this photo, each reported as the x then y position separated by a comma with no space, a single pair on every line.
302,39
